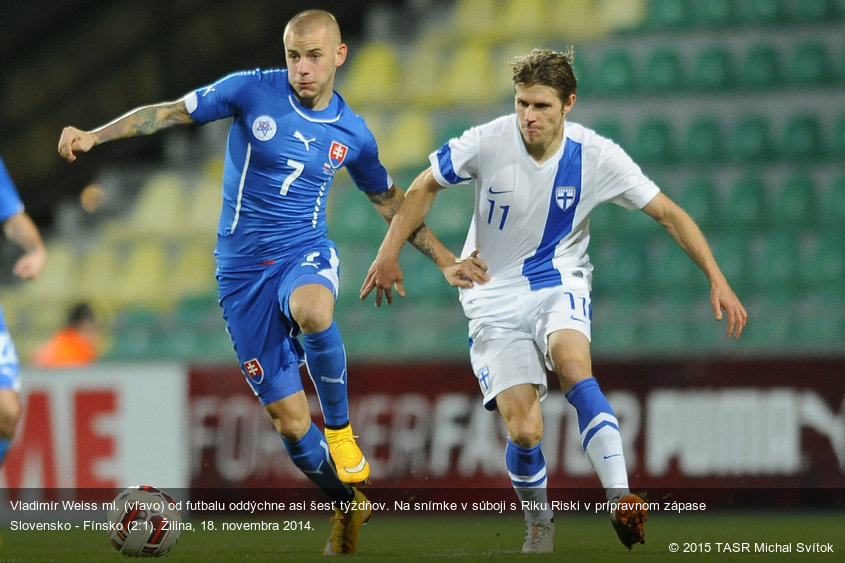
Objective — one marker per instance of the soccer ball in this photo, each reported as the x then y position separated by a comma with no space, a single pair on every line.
144,522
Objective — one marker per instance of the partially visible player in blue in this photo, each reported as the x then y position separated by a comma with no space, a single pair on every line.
22,231
276,269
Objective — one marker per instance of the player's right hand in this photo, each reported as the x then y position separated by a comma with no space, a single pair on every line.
383,276
73,139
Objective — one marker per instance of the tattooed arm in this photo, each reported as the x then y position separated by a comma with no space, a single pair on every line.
406,223
141,121
423,239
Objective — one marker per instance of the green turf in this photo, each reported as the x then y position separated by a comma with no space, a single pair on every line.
579,538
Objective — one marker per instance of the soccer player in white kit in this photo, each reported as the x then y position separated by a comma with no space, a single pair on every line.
537,177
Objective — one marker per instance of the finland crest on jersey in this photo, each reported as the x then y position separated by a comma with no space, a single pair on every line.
565,196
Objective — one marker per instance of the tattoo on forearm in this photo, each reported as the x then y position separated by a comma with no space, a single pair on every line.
421,239
144,121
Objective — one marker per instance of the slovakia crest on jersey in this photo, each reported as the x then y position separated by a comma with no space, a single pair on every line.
337,154
565,196
253,370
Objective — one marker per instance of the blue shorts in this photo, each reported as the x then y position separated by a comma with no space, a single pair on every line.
10,375
257,313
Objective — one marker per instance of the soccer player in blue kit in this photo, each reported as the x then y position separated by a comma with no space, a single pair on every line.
22,231
277,270
537,177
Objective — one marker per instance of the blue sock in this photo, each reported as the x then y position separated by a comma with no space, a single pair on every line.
326,361
5,444
527,470
600,436
311,456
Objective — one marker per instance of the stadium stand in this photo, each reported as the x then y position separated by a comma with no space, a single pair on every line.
733,107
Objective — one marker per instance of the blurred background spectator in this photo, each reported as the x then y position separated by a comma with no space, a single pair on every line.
75,345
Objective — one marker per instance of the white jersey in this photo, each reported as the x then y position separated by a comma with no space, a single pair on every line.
531,220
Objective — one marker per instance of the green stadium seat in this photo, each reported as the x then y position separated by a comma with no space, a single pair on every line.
836,146
761,12
655,142
617,322
620,264
671,269
663,71
450,215
355,260
132,334
761,67
666,335
775,260
772,326
833,203
615,75
352,216
821,321
810,64
698,198
667,14
610,127
744,205
423,279
714,14
802,138
823,263
605,220
584,70
810,10
793,203
712,69
703,143
751,140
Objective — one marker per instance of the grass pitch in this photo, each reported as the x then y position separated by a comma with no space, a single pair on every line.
388,537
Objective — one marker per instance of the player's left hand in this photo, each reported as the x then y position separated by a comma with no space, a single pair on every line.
723,298
466,272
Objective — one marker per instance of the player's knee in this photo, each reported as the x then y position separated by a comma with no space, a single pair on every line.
571,370
315,322
312,316
8,423
10,413
525,434
292,430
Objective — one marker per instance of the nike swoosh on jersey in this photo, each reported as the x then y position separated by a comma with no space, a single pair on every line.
496,192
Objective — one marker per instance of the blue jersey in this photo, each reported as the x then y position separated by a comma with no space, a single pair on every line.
10,205
280,160
10,201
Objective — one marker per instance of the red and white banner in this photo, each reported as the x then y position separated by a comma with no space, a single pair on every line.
708,424
103,427
699,424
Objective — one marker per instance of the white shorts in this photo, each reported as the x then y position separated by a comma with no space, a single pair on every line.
509,333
